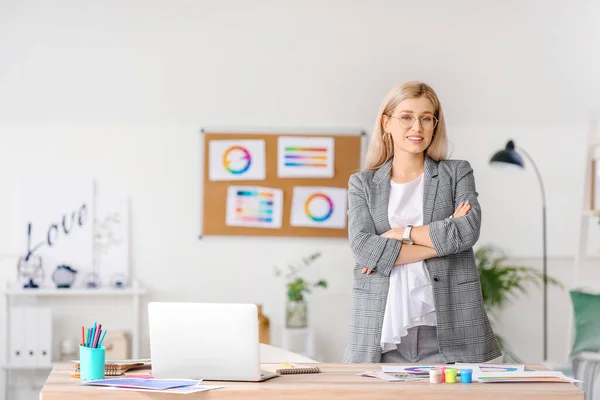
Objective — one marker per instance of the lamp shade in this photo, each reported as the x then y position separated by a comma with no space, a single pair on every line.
508,156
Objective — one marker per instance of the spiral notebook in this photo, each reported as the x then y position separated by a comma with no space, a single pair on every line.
113,368
297,369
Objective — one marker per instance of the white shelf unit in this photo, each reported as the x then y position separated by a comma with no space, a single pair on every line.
135,291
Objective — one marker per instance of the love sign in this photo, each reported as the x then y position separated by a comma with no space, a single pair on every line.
55,221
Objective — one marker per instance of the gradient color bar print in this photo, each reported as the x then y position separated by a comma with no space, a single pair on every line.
254,206
305,157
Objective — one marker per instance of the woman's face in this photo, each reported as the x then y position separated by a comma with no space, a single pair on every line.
411,125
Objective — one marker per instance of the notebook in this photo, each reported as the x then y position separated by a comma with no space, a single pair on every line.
112,368
297,369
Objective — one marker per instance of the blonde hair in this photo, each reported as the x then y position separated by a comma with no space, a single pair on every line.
380,151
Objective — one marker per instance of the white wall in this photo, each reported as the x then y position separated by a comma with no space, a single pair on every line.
118,90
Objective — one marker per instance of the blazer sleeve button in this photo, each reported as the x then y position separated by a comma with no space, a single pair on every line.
435,278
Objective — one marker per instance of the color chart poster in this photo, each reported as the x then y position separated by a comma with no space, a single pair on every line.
305,157
321,207
234,160
254,206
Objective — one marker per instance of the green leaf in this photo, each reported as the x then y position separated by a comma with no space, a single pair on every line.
297,286
500,282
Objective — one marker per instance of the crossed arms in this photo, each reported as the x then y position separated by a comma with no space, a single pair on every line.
440,238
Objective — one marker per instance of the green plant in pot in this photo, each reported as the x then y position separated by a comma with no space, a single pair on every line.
297,287
501,283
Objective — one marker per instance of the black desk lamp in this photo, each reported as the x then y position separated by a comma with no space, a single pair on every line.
510,156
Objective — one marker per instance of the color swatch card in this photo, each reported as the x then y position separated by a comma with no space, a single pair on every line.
254,206
323,207
305,157
231,160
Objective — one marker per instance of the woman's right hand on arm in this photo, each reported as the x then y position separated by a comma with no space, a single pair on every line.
462,210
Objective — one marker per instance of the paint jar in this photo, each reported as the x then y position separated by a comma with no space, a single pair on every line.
450,375
443,376
435,376
466,375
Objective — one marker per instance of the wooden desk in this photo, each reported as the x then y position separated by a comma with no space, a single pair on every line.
337,381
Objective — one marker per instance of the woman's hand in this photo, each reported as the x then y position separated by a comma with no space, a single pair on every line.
367,271
462,209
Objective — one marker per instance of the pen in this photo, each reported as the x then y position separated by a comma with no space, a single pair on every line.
87,338
93,335
101,338
97,336
82,336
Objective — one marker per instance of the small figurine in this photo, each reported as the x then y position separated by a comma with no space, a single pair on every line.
92,281
64,276
118,280
30,272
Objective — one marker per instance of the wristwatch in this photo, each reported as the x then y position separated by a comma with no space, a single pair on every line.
406,236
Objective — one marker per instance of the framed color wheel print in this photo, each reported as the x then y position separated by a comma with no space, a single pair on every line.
322,207
234,160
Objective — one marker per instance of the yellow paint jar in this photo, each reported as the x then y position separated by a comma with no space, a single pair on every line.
450,375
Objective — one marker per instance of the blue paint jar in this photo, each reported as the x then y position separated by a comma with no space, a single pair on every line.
466,375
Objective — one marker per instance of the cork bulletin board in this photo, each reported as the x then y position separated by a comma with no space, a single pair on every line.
346,160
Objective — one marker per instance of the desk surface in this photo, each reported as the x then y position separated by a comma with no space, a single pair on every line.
337,381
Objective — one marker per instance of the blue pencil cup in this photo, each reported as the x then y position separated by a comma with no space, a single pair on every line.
91,363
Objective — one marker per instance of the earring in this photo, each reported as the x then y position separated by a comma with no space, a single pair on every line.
386,136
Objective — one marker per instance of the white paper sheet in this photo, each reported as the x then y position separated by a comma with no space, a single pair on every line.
412,369
479,369
234,160
524,376
254,206
322,207
390,377
187,390
305,157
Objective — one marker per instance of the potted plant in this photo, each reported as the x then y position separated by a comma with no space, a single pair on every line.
296,315
500,282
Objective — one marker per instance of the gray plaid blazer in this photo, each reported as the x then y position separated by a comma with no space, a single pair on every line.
463,330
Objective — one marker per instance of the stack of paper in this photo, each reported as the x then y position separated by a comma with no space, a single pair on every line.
153,385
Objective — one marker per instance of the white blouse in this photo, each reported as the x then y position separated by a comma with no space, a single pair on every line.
410,297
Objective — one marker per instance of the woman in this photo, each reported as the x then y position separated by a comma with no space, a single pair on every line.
413,220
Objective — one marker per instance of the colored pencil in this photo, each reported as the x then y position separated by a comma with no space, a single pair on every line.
82,336
93,335
101,339
95,343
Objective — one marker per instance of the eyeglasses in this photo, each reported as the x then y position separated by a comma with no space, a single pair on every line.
407,121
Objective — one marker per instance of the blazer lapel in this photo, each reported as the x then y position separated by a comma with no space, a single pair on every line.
380,197
429,189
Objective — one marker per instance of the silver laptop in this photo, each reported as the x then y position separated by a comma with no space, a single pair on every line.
209,341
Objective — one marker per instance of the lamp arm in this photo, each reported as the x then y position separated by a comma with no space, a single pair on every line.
539,176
